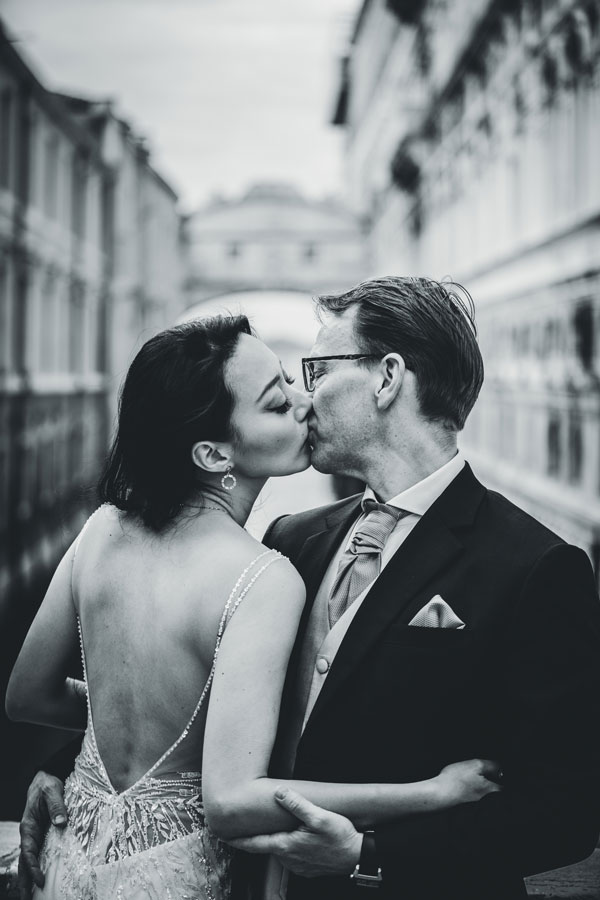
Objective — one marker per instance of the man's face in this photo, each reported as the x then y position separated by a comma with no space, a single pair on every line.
343,401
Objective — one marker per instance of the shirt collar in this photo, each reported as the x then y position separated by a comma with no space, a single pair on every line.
420,496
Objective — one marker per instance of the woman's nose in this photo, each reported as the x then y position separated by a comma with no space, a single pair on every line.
302,405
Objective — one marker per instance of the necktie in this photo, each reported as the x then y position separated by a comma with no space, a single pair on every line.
361,563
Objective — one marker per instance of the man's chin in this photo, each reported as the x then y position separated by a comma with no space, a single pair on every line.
319,464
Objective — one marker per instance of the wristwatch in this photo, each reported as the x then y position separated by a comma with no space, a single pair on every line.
367,873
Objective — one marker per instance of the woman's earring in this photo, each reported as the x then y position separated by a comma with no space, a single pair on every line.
232,480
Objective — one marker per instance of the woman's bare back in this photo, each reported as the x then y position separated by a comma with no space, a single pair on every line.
150,607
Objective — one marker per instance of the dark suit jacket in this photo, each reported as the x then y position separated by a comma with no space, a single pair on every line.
520,684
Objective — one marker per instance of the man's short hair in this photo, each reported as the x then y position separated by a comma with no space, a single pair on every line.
432,326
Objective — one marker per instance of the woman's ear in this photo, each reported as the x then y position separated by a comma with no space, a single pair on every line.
390,378
212,457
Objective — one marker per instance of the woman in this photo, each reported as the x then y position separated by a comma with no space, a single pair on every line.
171,598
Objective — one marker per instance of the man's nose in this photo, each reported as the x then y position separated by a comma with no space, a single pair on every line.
302,405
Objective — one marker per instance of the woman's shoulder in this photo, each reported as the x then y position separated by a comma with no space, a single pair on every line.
256,561
105,516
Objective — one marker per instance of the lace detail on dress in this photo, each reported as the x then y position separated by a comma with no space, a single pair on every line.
110,826
151,839
195,866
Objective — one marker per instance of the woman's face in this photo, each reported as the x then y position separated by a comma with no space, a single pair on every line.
269,415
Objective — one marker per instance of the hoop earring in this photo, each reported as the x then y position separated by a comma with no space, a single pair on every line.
233,480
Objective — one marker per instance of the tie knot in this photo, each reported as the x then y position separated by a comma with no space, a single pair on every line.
369,505
376,527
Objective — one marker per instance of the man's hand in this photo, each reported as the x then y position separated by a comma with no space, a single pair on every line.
45,804
325,843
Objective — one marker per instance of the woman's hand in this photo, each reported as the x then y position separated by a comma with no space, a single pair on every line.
468,781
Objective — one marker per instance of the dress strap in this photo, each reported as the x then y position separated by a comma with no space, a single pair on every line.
232,604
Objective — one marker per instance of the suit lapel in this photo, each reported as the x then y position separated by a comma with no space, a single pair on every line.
318,549
430,548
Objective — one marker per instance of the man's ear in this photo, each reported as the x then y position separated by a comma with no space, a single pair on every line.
211,456
390,378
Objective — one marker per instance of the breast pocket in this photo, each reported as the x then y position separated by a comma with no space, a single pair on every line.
429,665
427,680
435,638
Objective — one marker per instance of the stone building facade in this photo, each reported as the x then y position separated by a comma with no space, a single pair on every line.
272,238
144,240
472,131
54,295
89,266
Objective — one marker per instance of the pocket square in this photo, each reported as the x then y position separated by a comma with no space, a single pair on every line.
437,614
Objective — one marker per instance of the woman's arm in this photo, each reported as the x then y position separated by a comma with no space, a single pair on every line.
40,690
242,722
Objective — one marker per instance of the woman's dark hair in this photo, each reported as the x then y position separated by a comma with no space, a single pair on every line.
432,326
174,394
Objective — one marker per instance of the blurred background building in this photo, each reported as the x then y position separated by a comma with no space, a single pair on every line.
90,265
273,237
472,131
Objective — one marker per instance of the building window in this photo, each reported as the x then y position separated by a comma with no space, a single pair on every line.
48,325
575,446
549,339
79,194
583,326
33,159
19,321
23,149
4,477
234,249
5,137
51,177
309,253
553,441
4,320
76,328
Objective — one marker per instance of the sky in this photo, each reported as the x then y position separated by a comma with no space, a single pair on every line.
227,92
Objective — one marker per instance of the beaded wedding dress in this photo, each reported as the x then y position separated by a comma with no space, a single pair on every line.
150,841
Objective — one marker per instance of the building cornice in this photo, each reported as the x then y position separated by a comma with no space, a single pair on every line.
49,101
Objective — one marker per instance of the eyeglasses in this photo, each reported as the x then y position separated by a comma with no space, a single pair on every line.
308,366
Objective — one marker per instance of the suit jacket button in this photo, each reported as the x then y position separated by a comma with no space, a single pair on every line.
322,665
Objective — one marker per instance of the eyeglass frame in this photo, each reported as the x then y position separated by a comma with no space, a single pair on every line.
313,359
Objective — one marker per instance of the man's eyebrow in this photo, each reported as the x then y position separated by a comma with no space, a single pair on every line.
268,387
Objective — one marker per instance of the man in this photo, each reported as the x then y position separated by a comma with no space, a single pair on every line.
441,623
